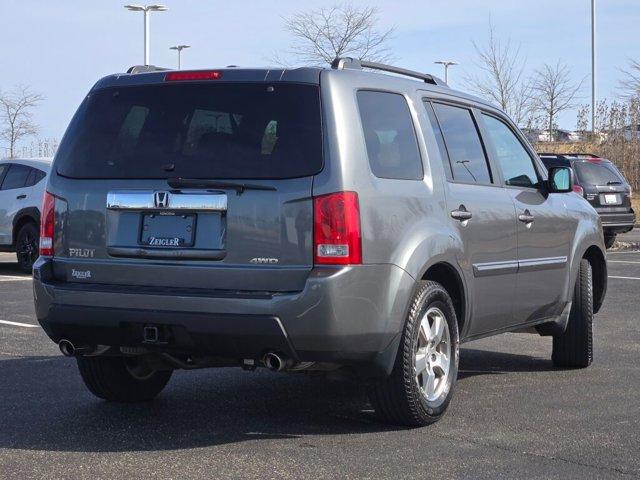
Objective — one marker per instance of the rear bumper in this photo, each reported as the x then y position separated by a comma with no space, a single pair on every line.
618,222
348,316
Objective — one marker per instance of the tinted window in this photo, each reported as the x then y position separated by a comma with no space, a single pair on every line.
3,169
195,131
34,177
389,135
515,162
16,177
466,153
439,140
596,174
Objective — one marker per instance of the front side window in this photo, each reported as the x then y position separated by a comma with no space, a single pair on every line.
389,135
515,162
466,153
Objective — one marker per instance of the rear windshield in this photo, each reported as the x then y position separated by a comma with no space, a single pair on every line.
597,174
195,131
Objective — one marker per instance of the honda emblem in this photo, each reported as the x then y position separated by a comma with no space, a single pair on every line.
161,199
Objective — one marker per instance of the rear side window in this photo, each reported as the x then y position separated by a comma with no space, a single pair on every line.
34,177
389,135
466,153
250,130
515,162
596,174
16,177
3,169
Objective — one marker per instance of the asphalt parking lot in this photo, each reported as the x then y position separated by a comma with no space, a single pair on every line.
513,414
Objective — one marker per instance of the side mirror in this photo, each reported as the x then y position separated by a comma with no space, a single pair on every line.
560,180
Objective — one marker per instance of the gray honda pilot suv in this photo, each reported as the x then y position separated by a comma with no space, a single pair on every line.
306,220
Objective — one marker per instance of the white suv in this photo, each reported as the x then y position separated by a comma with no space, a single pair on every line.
22,184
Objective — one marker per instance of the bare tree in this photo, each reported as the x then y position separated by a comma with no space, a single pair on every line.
630,85
553,93
16,116
342,30
501,77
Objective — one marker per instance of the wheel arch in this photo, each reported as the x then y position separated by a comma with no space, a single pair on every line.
446,274
26,215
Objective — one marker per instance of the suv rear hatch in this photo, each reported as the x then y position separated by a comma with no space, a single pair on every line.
604,187
190,185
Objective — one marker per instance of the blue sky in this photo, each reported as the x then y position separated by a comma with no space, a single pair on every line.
60,48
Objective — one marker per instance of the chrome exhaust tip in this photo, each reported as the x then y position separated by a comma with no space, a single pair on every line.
274,362
67,348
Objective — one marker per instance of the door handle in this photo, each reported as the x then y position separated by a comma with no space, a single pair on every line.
526,217
461,214
21,197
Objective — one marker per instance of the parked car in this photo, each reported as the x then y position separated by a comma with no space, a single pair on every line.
306,220
22,184
603,186
632,132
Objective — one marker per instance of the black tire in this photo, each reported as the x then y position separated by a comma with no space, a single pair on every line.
574,347
121,379
27,246
398,398
609,240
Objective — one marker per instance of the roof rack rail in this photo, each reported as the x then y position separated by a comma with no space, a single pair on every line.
145,69
341,63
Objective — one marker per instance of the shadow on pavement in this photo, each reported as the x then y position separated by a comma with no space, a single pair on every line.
45,406
9,266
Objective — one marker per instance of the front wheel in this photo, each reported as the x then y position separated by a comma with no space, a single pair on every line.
420,387
122,379
574,347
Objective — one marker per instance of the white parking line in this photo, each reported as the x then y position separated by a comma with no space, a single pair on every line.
13,278
623,251
622,261
624,278
18,324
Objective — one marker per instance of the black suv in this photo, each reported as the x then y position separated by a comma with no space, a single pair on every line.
603,186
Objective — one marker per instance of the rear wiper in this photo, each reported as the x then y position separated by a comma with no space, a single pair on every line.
614,183
203,183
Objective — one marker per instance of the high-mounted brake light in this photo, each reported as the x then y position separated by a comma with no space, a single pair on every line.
337,238
47,223
183,76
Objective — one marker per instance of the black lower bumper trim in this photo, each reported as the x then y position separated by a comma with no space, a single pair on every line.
232,336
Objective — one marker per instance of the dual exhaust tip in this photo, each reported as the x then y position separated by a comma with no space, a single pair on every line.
273,361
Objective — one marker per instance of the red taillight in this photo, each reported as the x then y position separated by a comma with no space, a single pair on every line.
47,221
194,75
337,238
579,190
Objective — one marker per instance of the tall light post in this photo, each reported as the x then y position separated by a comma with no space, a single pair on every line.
446,64
146,9
593,66
179,49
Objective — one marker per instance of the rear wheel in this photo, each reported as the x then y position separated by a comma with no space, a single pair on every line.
122,379
27,246
574,347
420,387
609,240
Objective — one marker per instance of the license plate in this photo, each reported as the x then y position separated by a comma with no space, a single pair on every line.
167,230
611,199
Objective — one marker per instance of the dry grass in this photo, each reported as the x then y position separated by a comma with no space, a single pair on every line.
635,201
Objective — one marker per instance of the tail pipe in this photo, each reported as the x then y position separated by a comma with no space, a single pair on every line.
68,349
277,362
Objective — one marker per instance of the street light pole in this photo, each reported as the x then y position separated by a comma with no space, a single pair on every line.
146,10
179,49
446,64
593,66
